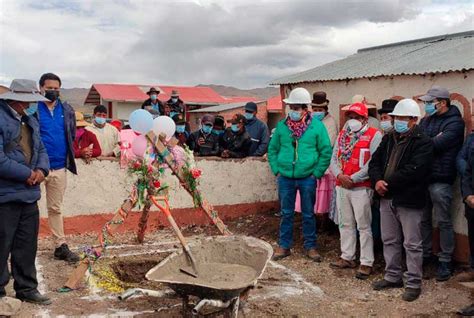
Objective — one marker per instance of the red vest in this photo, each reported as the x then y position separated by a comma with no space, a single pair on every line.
360,156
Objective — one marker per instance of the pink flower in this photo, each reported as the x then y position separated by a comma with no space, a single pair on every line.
196,173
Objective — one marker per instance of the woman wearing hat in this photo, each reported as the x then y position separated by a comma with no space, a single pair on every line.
86,145
153,102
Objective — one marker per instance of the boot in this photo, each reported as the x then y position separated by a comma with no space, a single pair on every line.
281,253
63,253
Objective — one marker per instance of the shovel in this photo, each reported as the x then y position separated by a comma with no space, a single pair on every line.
189,271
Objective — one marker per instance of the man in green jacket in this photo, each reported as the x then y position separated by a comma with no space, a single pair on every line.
299,153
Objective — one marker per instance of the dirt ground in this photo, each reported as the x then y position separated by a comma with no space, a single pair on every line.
293,287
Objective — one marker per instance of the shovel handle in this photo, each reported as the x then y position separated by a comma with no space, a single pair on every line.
170,218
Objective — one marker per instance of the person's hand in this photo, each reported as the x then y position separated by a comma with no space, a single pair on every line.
201,141
39,177
470,201
381,187
86,153
30,180
346,181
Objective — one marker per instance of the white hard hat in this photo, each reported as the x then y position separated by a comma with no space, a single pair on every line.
406,107
298,96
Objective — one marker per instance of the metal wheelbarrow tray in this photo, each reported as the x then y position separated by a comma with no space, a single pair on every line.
227,266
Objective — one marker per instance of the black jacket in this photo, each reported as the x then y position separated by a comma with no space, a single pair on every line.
160,105
259,135
238,144
408,183
467,179
178,107
209,148
447,133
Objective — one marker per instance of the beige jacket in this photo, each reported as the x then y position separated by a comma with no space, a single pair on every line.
108,138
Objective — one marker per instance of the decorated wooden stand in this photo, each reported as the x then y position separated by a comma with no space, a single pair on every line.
93,253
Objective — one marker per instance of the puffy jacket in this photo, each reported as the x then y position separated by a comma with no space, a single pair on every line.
311,156
447,133
463,156
238,144
409,181
467,179
13,169
210,146
258,131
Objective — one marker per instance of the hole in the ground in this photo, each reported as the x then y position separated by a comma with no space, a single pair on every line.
133,271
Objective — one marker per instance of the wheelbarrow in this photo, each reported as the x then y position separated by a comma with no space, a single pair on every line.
229,266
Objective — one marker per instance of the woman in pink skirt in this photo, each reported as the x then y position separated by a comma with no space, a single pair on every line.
325,185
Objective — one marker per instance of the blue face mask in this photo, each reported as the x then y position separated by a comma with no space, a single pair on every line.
248,116
206,129
217,132
180,129
100,120
172,114
153,97
31,110
430,108
294,115
319,115
401,126
235,128
386,125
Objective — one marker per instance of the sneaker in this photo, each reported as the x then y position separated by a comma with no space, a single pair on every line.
444,272
364,272
63,253
281,253
34,298
467,311
385,284
411,294
313,254
342,263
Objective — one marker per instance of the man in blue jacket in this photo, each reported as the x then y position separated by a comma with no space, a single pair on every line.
257,130
24,165
58,131
443,123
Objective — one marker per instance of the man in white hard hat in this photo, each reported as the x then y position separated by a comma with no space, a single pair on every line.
399,171
299,154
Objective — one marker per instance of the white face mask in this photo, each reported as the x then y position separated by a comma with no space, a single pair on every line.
354,125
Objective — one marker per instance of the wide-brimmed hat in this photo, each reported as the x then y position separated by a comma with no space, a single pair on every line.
174,93
435,92
388,106
24,90
80,122
153,91
319,100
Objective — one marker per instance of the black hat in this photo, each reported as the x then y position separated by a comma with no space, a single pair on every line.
251,106
319,100
387,106
179,119
219,121
153,91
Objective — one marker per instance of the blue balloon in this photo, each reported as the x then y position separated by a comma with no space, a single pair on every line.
141,121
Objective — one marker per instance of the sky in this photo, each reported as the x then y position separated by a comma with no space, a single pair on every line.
244,43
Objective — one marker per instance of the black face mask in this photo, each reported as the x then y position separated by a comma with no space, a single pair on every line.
51,94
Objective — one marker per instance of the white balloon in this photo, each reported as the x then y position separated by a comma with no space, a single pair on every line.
164,125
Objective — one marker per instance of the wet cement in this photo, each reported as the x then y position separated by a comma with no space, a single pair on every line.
216,275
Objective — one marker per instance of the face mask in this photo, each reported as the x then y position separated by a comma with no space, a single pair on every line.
294,115
100,120
153,97
319,115
51,94
248,116
180,129
235,128
354,125
206,129
386,125
217,132
401,126
430,108
174,100
172,114
31,110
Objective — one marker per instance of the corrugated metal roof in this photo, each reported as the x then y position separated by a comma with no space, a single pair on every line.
452,52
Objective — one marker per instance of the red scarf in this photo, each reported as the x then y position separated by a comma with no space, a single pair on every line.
299,127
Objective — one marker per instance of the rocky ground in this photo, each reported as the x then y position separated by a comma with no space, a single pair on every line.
293,287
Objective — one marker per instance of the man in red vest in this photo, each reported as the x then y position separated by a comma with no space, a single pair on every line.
350,163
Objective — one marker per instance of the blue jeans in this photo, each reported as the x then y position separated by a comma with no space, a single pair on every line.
439,203
287,188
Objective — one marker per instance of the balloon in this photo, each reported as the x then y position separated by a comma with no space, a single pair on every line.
139,146
165,125
141,121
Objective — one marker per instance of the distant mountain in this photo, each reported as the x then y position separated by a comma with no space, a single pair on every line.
263,93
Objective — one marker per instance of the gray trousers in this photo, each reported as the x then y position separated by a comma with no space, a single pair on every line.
402,224
438,207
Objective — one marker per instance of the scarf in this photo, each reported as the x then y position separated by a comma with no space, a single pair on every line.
298,128
347,142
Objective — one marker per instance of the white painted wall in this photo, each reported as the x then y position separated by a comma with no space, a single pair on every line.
101,186
122,110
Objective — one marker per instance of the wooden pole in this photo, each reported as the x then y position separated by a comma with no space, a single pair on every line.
142,224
